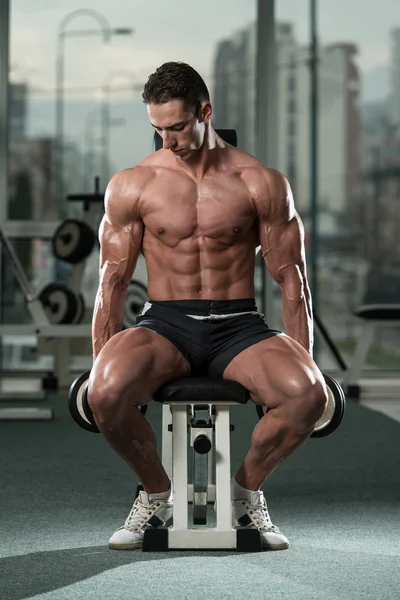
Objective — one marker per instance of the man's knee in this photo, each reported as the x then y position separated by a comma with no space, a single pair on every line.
103,396
110,389
307,398
316,398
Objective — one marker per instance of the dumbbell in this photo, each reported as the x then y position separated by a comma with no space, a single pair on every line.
333,413
79,407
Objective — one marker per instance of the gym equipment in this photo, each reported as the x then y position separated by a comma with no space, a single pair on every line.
79,407
202,445
73,241
199,406
135,298
61,304
196,409
373,316
334,411
56,313
36,309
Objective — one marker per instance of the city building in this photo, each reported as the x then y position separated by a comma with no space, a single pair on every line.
395,77
18,98
339,123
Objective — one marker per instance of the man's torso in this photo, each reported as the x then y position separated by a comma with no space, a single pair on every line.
200,235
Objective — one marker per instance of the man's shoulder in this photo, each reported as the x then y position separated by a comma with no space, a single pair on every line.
160,160
123,193
255,173
269,189
132,175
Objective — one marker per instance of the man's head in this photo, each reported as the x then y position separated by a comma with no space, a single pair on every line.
178,105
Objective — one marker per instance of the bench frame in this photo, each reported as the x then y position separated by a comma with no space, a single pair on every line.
175,462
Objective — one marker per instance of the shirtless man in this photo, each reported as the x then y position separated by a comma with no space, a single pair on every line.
198,209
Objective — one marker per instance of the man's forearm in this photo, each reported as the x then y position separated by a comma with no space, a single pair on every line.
108,316
297,313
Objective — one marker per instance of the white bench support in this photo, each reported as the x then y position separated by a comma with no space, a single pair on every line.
175,462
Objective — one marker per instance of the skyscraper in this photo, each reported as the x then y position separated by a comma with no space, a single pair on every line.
395,77
339,128
18,93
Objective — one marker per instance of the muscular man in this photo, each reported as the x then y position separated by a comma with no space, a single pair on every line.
198,210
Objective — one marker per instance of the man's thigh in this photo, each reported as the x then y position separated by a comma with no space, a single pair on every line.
137,360
274,370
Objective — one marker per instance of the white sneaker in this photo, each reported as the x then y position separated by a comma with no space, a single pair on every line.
143,514
254,513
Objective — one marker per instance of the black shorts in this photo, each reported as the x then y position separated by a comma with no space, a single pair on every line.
209,333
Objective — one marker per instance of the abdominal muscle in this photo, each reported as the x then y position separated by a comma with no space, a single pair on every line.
215,273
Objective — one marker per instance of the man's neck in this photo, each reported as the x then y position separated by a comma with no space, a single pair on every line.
206,158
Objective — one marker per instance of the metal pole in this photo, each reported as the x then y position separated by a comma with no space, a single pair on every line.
4,66
266,117
105,121
105,30
89,151
105,135
314,156
4,89
59,118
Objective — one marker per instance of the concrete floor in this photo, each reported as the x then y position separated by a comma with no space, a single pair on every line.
390,407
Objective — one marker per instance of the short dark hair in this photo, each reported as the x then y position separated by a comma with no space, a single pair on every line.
176,81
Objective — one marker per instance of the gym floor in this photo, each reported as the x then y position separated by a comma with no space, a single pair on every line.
64,492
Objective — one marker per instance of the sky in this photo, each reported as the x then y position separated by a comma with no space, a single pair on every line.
179,30
184,30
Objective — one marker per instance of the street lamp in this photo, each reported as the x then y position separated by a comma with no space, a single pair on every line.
88,149
106,120
106,31
89,142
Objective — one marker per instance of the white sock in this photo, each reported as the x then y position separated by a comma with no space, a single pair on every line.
166,496
238,492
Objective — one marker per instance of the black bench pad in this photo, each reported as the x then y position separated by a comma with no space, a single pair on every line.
192,390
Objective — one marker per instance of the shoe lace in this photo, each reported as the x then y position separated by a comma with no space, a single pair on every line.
139,515
260,516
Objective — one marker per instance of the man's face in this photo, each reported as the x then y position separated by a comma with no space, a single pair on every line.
181,130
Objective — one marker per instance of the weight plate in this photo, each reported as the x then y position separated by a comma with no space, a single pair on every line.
73,241
334,410
135,299
77,404
60,304
81,309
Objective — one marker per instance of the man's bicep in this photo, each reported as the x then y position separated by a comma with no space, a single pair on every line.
119,249
121,230
282,246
